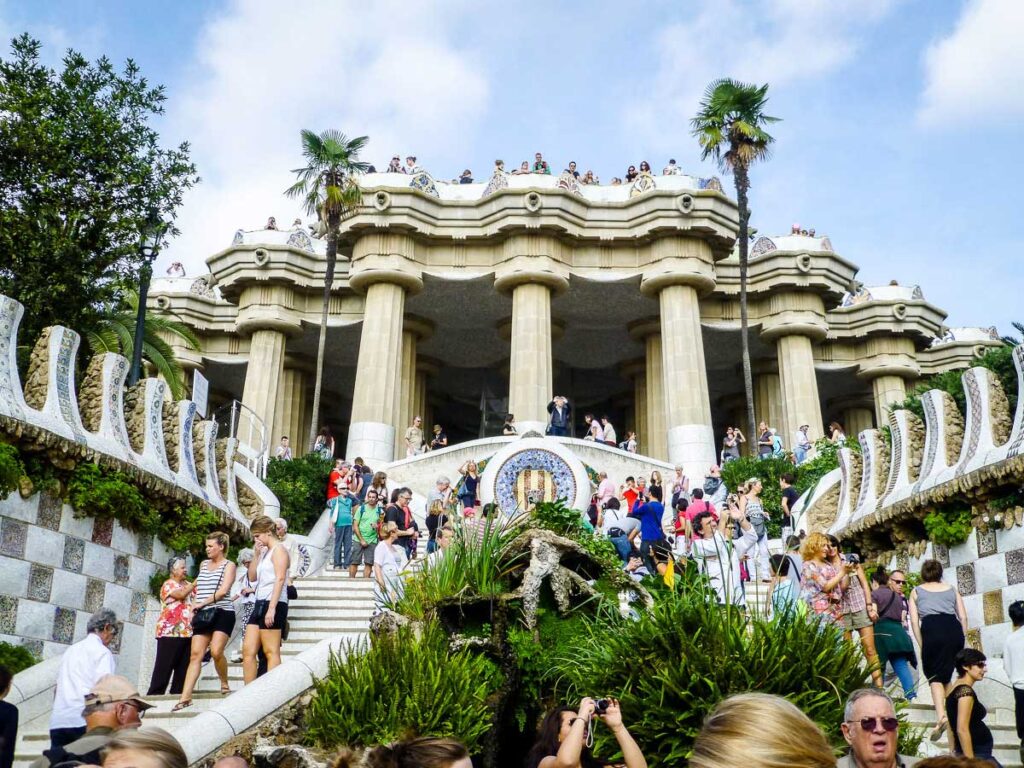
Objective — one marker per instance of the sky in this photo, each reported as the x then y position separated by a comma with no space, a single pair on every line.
900,133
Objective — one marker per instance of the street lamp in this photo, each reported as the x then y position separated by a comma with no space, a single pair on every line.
149,248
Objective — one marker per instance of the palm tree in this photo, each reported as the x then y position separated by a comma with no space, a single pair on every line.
1013,341
115,332
329,191
730,127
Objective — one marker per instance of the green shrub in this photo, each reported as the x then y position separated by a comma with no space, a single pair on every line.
11,469
16,657
735,473
301,486
669,668
186,530
156,582
565,521
94,492
403,686
949,526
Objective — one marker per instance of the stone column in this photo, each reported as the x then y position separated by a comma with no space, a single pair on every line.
531,271
657,444
887,390
795,321
414,330
263,379
383,267
856,420
768,400
291,405
637,371
801,404
679,271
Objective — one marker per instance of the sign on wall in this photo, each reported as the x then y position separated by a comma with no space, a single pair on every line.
200,390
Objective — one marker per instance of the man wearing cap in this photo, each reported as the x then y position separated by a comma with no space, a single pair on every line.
81,666
112,704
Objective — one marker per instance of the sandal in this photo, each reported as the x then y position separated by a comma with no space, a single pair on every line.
939,730
225,690
181,705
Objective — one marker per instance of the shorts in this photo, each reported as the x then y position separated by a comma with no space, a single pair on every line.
259,612
223,621
856,620
362,555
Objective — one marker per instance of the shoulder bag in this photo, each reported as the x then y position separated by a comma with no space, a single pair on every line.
202,620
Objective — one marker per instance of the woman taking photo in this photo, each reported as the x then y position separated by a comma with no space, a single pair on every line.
891,640
939,622
389,558
213,616
468,488
563,737
379,483
173,632
859,611
268,570
822,580
966,715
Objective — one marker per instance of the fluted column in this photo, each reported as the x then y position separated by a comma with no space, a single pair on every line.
263,378
656,442
384,268
637,371
801,403
887,390
291,405
857,419
768,401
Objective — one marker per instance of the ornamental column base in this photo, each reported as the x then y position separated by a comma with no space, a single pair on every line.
374,441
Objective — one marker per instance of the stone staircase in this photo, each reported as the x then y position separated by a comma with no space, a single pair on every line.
330,605
1000,722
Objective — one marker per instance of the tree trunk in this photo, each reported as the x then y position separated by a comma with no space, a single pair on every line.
333,222
742,185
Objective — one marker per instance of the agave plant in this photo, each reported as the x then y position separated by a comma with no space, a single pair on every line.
115,333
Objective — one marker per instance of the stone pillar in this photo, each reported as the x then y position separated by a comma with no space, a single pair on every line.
263,377
768,400
857,419
637,371
291,406
383,267
801,404
887,390
532,270
652,441
414,330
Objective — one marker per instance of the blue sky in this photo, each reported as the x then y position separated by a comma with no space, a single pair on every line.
901,118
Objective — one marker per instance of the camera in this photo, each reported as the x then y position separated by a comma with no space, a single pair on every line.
852,558
601,706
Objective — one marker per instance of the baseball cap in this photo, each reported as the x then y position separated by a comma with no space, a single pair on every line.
111,688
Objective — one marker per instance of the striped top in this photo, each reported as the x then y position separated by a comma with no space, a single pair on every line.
207,584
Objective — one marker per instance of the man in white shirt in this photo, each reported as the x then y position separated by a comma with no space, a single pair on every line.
81,666
1013,664
718,554
802,444
619,528
610,437
284,450
291,544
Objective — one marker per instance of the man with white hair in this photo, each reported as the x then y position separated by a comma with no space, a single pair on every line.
81,666
292,546
871,729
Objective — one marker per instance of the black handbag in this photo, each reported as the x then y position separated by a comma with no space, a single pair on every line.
202,620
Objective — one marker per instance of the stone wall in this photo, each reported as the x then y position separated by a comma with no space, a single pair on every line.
56,570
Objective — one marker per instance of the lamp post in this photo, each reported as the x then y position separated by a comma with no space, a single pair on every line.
149,248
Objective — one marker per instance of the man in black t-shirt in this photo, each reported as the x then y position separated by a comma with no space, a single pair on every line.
789,497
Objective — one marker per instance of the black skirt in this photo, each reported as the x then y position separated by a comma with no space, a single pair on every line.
942,637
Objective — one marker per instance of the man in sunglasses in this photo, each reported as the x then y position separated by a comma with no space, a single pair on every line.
871,729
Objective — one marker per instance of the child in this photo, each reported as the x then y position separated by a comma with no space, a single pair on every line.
783,596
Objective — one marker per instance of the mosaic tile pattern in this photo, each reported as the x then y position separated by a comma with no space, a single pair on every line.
10,316
8,614
1015,566
102,531
137,612
50,507
95,591
74,554
986,542
973,391
64,625
535,459
13,534
992,607
144,545
34,646
40,582
941,553
965,579
762,246
122,566
931,440
66,382
299,239
1018,441
974,639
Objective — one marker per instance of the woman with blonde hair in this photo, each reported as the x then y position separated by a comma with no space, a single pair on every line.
144,748
822,580
268,570
793,740
424,752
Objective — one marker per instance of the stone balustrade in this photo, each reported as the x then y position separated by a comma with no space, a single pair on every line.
162,444
946,459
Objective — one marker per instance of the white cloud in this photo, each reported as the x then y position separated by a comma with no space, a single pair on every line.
264,70
779,42
974,74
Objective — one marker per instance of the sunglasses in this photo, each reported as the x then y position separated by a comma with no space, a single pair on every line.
889,724
898,581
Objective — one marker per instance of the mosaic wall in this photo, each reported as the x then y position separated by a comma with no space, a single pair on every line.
56,570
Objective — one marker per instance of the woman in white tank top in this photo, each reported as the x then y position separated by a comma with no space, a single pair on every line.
268,570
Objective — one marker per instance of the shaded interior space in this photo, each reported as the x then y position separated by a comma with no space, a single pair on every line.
840,391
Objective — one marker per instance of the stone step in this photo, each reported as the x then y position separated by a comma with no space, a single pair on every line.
327,612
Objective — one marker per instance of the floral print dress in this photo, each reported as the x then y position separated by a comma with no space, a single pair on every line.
812,581
175,615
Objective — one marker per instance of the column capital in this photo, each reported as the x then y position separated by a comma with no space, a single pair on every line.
647,326
678,261
421,327
532,270
430,366
386,257
633,368
887,356
504,327
793,313
268,307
